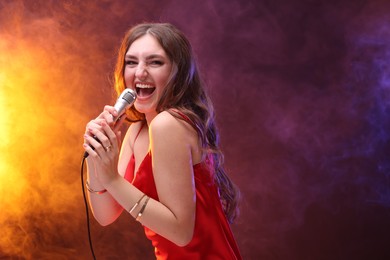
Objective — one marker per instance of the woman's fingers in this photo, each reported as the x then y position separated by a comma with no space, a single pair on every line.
112,138
109,114
99,137
94,125
111,110
119,122
98,141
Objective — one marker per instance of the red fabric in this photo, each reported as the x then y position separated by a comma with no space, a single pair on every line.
212,238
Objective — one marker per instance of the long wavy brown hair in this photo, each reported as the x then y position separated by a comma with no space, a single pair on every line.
184,92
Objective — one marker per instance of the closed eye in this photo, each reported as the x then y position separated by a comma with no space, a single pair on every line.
156,62
130,62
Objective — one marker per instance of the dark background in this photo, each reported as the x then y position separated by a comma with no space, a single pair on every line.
302,94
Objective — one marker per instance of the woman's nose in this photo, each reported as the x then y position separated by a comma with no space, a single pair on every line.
141,72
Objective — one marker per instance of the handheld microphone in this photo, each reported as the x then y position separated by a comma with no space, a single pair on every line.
125,100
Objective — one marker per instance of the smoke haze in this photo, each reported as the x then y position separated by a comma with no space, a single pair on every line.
302,94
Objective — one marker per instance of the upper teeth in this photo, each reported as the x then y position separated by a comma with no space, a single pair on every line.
144,86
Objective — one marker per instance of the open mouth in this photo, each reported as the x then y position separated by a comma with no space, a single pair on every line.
144,90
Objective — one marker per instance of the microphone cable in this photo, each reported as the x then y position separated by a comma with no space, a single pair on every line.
86,208
125,100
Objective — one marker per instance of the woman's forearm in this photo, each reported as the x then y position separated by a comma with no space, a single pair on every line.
103,206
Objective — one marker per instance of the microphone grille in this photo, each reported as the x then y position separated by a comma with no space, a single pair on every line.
129,97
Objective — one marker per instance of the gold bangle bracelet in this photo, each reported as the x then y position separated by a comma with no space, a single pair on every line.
136,204
94,191
139,215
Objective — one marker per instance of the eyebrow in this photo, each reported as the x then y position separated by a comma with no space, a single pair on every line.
149,57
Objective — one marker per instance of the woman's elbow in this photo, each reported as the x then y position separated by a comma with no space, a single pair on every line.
184,238
104,222
103,219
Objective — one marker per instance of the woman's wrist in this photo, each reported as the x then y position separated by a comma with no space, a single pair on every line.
111,182
93,190
94,183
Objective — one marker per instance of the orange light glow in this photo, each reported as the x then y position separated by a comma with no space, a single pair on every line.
41,129
55,65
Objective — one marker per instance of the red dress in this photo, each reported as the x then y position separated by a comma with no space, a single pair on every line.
213,238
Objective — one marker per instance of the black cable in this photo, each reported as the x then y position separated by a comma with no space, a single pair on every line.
86,208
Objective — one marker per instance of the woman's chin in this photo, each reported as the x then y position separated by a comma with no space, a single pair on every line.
145,108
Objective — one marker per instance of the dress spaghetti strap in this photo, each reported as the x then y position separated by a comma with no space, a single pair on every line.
183,117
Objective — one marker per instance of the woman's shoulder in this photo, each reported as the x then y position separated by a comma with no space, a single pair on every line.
171,118
163,121
173,131
166,122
